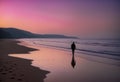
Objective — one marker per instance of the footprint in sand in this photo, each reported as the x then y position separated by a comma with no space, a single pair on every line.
12,78
19,79
4,73
10,71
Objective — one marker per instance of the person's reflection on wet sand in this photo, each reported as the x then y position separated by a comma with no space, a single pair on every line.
73,62
73,47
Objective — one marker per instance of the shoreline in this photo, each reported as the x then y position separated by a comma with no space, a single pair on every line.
14,69
58,62
89,57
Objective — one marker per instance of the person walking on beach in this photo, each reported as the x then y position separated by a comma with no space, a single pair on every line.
73,47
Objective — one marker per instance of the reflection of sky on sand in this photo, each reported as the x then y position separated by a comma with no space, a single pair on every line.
59,64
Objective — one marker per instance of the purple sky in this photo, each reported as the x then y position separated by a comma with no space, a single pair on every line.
70,17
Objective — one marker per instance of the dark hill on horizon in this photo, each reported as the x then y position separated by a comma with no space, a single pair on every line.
18,33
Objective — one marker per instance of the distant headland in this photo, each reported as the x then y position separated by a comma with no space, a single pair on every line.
18,33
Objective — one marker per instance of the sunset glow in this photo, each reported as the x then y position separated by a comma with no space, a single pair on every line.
69,17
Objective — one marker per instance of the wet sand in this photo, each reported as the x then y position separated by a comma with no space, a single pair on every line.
14,69
88,68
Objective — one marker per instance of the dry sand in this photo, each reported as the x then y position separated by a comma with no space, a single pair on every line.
14,69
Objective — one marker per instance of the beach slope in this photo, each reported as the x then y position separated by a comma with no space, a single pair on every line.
14,69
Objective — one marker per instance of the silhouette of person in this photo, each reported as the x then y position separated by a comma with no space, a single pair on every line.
73,47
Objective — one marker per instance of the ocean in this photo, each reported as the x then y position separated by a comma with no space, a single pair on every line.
102,48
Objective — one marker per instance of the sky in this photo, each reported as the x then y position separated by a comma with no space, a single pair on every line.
82,18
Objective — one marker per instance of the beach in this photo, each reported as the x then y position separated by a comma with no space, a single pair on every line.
88,68
14,69
38,63
59,41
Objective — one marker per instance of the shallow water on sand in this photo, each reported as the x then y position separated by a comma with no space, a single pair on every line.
88,68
